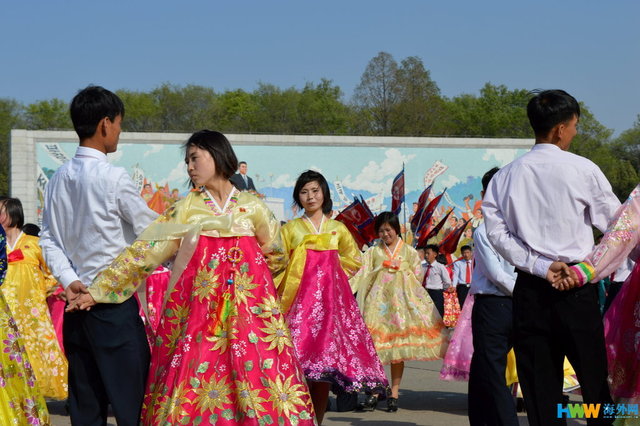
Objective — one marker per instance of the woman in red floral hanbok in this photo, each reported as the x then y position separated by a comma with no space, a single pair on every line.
223,353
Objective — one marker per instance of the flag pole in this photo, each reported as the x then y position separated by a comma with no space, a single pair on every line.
404,203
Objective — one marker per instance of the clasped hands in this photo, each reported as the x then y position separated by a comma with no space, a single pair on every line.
562,277
78,297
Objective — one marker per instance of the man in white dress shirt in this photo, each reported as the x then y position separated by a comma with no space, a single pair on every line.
490,400
436,278
462,273
92,210
539,211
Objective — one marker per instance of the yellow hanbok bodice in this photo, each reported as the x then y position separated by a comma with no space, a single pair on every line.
177,231
26,287
298,236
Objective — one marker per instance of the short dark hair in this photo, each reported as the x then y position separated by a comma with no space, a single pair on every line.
241,163
390,218
433,247
220,149
91,105
31,229
313,176
549,108
487,178
465,247
13,209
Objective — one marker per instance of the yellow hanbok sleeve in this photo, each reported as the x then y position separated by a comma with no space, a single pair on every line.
49,284
285,238
362,281
413,260
267,231
119,281
350,255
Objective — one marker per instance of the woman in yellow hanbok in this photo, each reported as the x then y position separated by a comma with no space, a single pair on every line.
20,400
25,289
403,321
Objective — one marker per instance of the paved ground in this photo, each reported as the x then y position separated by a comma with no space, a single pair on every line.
424,400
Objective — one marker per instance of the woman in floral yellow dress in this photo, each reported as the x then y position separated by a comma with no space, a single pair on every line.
398,311
21,402
223,353
25,289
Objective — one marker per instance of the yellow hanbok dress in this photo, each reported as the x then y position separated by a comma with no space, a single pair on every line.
20,400
403,321
25,288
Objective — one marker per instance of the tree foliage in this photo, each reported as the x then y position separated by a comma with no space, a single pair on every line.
392,98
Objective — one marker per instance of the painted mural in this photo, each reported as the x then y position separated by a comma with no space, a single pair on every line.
160,173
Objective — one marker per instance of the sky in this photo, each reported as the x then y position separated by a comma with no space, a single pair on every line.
50,49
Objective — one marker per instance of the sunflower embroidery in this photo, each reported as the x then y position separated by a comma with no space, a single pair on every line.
243,287
249,399
285,396
222,342
277,334
212,394
205,283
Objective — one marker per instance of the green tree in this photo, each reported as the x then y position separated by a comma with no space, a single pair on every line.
49,114
376,95
627,145
142,112
593,142
497,112
419,108
235,112
184,109
321,111
10,118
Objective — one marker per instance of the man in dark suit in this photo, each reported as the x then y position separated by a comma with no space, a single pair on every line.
241,180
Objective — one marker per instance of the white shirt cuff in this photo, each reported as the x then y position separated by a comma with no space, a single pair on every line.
68,277
541,267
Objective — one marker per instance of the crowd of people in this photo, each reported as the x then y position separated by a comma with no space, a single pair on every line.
250,322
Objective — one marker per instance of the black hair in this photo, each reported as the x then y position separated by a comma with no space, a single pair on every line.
549,108
91,105
31,229
313,176
433,247
465,247
487,178
441,258
13,209
241,163
391,219
220,149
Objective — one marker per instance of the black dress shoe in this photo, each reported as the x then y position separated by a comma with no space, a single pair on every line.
369,403
392,405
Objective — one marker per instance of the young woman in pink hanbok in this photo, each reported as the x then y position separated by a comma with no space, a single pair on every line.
622,320
223,353
329,334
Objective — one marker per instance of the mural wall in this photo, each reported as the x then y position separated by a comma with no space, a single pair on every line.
352,165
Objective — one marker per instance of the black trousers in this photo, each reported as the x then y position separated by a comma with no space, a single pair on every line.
549,325
438,299
462,290
108,358
490,401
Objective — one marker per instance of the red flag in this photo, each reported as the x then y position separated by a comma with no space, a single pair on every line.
397,193
432,232
450,243
428,212
422,204
359,220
